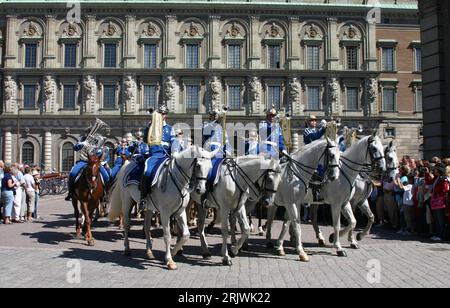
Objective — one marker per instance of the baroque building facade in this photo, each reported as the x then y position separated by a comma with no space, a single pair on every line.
329,59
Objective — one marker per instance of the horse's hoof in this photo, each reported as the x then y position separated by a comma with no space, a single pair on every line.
281,253
150,256
359,237
321,243
127,253
172,266
304,257
232,254
227,263
342,253
354,246
91,243
331,239
207,256
270,245
180,253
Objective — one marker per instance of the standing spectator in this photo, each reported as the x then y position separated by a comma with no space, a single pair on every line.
30,191
441,188
2,166
389,203
37,179
379,202
17,210
408,204
7,194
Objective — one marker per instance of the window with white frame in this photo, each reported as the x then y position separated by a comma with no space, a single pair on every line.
150,55
274,56
313,98
150,97
352,57
234,97
67,157
109,97
70,55
388,59
313,57
352,98
192,56
419,106
29,96
274,97
192,97
110,55
69,97
31,55
234,56
389,99
28,153
418,59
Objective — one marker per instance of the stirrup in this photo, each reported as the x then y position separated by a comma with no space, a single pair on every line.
143,205
68,197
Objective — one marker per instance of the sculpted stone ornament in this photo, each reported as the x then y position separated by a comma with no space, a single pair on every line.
216,91
49,93
129,93
90,92
10,94
255,89
294,93
372,95
170,87
32,29
333,95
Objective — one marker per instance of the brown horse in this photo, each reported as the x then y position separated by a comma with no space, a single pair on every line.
88,191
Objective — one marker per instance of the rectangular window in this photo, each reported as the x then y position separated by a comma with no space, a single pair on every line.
389,133
352,57
313,55
389,100
150,100
70,55
29,96
418,63
234,56
192,97
234,97
419,107
388,59
69,97
352,98
150,55
109,97
274,97
192,51
313,98
274,54
110,55
30,55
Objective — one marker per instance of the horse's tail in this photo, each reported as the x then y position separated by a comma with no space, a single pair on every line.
116,191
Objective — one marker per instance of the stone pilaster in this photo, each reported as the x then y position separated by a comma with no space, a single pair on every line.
50,43
170,41
12,49
8,147
48,150
130,46
254,60
333,45
214,42
293,44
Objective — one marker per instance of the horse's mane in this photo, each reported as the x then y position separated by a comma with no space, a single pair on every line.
308,147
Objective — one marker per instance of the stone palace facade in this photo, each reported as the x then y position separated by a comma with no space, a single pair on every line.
123,57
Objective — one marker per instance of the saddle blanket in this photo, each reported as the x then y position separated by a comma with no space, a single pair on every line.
213,175
133,173
77,178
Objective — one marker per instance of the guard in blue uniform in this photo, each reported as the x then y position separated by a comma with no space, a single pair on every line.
158,153
312,132
252,144
271,136
213,140
82,163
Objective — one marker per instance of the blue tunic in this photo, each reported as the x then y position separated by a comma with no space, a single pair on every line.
312,134
271,139
159,152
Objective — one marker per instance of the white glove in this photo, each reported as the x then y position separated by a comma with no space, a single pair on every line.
285,152
323,123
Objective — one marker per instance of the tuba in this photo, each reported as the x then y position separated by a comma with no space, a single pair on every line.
286,130
94,140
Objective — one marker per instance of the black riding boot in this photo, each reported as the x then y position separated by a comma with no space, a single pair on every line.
145,190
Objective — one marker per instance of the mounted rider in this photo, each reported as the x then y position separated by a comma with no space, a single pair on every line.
83,162
213,140
122,154
159,136
271,136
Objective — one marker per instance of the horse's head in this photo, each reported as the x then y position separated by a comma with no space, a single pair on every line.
202,167
332,158
93,169
376,151
390,154
270,181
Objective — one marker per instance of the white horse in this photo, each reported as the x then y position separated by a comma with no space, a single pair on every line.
169,196
239,180
363,190
296,176
358,158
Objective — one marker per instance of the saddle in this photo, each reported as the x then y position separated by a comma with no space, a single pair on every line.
213,175
77,178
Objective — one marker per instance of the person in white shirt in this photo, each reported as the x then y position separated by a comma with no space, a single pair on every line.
408,204
30,191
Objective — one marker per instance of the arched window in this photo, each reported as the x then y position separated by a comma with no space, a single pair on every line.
68,157
28,153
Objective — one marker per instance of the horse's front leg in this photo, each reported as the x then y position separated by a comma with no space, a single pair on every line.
271,212
319,235
365,208
165,221
245,230
185,234
347,211
148,234
294,215
87,224
280,242
202,213
225,232
126,211
77,217
336,214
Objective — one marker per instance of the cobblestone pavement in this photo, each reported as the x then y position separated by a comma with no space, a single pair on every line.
45,254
